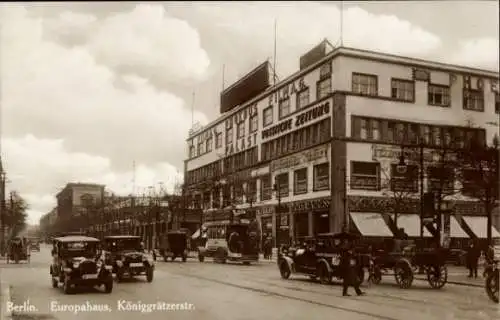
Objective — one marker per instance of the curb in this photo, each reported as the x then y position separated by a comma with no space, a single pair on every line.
458,283
5,296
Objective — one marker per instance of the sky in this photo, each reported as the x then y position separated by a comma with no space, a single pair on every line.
89,89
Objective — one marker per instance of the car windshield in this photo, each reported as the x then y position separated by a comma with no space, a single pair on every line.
124,244
79,248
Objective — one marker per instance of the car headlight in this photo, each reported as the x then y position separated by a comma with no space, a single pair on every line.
76,265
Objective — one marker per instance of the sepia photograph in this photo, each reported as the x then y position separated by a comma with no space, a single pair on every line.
241,160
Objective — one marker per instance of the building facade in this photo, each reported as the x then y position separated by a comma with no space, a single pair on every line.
317,149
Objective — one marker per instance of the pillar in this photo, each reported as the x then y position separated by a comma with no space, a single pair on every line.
310,223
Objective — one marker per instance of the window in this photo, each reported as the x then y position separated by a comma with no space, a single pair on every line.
302,99
436,136
497,103
473,100
284,108
201,148
300,181
403,90
267,117
265,188
192,151
326,70
218,140
438,95
324,88
364,129
375,129
321,177
365,175
229,136
209,143
441,179
216,197
254,124
364,84
404,181
282,185
240,130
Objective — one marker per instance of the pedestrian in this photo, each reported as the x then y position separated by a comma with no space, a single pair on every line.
348,270
473,254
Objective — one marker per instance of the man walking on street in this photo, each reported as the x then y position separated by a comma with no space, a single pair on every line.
473,254
348,269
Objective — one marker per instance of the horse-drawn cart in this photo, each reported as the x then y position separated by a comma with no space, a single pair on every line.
18,250
412,260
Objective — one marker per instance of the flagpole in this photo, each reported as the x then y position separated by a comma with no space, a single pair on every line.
341,23
274,60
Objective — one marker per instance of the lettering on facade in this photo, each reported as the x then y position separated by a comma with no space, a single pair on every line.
310,205
241,116
479,83
267,210
241,144
421,75
412,154
312,114
320,153
277,129
287,91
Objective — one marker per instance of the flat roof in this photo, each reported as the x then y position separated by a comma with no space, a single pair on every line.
76,239
355,53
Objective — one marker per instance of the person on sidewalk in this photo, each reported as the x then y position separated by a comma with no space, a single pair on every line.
348,270
473,254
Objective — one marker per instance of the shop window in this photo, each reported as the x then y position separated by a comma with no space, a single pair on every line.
321,177
404,180
365,175
300,181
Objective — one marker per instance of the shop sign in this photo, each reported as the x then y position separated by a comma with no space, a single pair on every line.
267,210
242,144
241,116
310,205
412,154
287,90
305,157
311,114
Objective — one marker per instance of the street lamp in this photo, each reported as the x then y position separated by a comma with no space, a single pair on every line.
277,189
3,178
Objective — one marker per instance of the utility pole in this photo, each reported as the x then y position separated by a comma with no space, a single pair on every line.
2,209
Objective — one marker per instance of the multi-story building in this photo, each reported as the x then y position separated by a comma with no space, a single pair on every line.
324,141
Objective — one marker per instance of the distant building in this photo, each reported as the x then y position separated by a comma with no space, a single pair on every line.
75,198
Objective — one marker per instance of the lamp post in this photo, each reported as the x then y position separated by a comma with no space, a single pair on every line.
402,168
2,211
277,188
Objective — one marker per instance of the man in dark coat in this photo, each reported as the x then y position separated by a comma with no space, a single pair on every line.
473,254
348,270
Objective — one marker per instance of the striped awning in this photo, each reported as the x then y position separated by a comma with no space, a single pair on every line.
371,224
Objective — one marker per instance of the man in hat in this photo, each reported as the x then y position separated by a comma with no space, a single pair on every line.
348,270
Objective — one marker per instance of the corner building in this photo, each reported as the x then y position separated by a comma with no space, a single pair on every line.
326,136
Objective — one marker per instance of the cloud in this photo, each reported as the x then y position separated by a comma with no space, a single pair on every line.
480,53
68,117
145,39
41,167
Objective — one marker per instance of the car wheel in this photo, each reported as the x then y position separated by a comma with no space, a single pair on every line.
323,275
108,285
67,286
149,274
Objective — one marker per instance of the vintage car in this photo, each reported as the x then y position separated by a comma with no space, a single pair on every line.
319,258
413,258
126,254
76,264
173,244
17,250
230,242
34,244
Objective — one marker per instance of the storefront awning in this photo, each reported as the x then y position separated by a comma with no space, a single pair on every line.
196,234
478,226
411,225
456,230
371,224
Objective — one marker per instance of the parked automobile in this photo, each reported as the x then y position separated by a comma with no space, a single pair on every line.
319,258
126,254
76,264
17,251
35,244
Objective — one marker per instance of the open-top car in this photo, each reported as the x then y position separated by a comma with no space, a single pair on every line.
76,264
319,258
18,250
172,245
34,244
230,242
126,254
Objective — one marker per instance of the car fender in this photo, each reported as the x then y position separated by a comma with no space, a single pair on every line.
404,262
323,261
289,262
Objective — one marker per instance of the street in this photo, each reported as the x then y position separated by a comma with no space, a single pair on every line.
234,291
